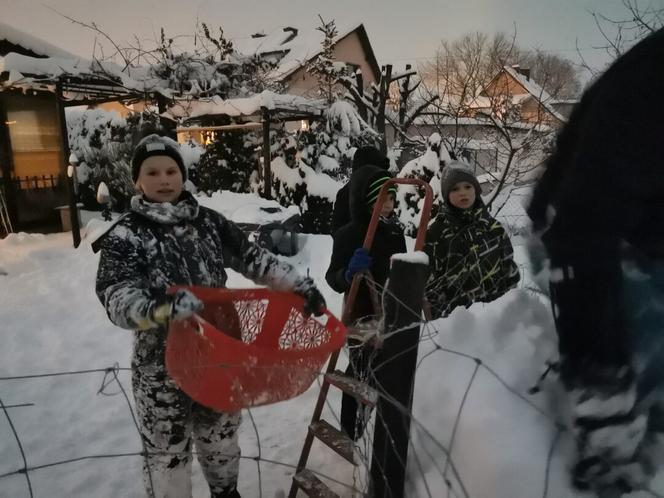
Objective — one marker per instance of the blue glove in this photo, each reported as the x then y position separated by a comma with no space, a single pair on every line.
359,262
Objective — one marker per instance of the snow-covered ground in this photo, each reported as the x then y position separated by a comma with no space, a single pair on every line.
51,323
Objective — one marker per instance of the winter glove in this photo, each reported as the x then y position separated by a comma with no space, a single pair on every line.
178,306
314,302
359,262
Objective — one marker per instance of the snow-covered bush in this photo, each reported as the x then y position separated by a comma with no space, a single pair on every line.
311,167
427,167
227,163
103,142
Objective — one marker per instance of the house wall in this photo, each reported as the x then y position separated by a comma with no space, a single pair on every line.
504,83
349,50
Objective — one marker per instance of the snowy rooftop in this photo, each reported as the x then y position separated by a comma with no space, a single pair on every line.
292,47
247,106
536,91
30,42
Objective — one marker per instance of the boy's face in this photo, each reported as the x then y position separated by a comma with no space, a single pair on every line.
160,179
388,206
462,195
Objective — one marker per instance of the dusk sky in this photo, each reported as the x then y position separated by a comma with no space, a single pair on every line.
400,31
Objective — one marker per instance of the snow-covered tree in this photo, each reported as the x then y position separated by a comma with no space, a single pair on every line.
427,167
309,168
324,67
227,163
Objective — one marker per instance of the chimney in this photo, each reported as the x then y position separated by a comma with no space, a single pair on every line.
293,34
524,71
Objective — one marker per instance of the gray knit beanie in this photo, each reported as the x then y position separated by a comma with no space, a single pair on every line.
455,172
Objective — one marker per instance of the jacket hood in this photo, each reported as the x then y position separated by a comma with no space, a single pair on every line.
369,155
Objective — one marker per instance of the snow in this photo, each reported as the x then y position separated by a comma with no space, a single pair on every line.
244,106
415,257
30,42
52,322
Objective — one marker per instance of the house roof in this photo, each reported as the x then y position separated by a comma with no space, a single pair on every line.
531,88
292,48
14,40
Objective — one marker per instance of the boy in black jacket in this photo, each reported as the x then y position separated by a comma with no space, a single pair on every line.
470,255
348,258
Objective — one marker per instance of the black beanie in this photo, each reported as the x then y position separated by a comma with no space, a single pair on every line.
369,155
375,183
454,173
156,145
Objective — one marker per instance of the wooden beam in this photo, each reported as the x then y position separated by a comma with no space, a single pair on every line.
7,167
185,129
73,207
267,159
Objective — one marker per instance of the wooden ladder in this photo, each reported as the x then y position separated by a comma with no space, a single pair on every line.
304,479
337,440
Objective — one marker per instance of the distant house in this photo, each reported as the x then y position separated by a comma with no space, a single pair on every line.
532,113
535,103
291,49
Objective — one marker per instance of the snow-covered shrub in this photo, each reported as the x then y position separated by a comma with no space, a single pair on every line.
227,163
427,167
311,167
103,142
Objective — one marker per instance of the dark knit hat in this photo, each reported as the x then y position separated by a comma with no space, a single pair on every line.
454,173
369,155
374,185
156,145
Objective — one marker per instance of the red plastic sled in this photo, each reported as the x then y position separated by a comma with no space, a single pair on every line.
249,347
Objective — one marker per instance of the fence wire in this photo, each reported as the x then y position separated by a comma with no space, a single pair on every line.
359,485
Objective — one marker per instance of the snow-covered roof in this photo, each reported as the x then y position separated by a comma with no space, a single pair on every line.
32,43
185,109
292,48
26,72
541,95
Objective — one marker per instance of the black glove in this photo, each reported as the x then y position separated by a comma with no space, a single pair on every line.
314,302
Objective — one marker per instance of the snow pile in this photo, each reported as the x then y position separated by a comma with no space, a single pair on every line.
52,322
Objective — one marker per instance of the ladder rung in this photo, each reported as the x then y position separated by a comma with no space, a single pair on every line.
312,486
361,391
333,438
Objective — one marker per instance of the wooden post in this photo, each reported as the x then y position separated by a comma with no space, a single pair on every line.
267,159
385,80
7,166
402,304
73,208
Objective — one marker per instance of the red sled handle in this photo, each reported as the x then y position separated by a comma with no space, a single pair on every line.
373,225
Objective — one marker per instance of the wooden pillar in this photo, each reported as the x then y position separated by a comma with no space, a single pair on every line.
267,159
402,305
7,166
385,80
71,190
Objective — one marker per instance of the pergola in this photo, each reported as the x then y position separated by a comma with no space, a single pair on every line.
73,82
258,111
